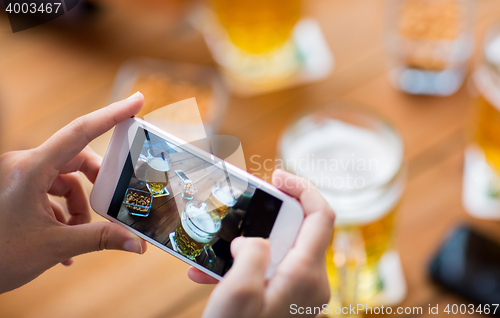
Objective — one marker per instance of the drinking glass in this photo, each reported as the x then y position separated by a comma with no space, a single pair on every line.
195,229
157,171
222,199
355,158
254,38
481,182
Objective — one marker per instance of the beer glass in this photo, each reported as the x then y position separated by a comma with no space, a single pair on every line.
356,161
195,229
157,171
255,39
481,183
222,199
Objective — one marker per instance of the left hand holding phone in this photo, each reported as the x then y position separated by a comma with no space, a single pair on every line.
35,231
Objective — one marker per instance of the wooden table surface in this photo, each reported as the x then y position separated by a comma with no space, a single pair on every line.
51,74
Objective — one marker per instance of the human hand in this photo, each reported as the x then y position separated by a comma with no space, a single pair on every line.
300,278
36,232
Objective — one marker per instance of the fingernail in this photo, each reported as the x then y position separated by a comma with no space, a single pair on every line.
134,95
133,245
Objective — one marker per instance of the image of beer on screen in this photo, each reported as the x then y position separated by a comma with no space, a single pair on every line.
206,228
189,205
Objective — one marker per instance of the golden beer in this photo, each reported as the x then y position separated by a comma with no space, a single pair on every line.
258,26
195,229
158,166
486,131
487,126
376,239
222,199
157,188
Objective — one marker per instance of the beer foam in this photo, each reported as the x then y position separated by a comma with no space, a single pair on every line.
158,164
341,150
200,227
224,196
348,163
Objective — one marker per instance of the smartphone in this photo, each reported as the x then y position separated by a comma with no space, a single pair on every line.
188,202
468,264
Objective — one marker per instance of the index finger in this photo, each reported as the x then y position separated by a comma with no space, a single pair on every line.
317,229
68,142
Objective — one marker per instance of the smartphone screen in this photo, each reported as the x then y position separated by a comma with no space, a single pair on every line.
191,205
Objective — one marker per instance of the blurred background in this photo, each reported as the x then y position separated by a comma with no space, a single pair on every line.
419,65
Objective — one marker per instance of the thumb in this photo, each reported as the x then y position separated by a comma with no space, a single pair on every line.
240,293
251,257
84,238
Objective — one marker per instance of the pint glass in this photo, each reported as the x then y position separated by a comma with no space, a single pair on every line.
481,182
487,79
221,199
195,229
255,41
356,161
157,171
259,26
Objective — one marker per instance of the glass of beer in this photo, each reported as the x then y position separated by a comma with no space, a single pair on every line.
254,38
356,161
481,183
222,199
195,229
157,171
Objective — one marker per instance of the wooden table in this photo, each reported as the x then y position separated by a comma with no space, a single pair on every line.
51,74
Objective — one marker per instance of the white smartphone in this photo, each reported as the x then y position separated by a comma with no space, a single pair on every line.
188,202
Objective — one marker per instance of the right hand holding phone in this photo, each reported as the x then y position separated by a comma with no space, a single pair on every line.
301,277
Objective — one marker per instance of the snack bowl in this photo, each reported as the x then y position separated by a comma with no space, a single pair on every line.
189,189
138,202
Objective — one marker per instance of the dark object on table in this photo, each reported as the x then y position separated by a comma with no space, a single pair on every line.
469,264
